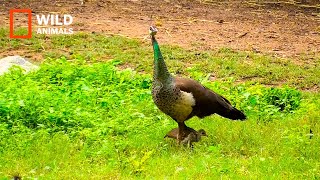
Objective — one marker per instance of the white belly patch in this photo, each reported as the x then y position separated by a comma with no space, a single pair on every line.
183,106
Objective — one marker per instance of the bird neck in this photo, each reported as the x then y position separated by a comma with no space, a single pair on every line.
160,71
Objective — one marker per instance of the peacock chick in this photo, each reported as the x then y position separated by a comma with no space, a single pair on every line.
188,135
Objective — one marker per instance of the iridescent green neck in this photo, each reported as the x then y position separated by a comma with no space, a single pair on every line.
160,69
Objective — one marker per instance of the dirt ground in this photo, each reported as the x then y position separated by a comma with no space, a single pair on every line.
278,28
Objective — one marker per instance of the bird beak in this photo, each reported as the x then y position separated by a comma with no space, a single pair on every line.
153,30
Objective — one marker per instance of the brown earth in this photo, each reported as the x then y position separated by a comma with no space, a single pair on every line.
282,29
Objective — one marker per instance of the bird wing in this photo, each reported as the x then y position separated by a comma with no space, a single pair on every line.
207,101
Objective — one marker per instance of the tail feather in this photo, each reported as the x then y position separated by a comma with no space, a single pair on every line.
228,111
233,114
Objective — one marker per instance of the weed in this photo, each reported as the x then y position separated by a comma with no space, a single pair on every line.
80,118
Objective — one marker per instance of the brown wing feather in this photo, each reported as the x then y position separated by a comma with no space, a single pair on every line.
207,101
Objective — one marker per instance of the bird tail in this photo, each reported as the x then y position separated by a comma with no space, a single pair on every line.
233,114
228,111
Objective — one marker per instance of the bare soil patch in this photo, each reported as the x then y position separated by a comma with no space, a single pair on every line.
277,28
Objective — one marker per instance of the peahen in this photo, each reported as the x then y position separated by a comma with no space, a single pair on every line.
183,98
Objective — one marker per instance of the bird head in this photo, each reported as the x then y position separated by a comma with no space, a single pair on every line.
153,30
202,132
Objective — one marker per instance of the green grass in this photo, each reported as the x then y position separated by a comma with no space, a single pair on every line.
302,73
80,117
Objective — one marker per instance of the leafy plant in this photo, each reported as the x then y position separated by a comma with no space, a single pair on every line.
285,98
79,118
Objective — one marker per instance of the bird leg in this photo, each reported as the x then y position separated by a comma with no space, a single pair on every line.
181,133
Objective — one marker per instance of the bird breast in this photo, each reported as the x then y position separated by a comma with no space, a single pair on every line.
173,102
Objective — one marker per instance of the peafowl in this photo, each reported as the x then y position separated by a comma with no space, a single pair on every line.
188,135
183,98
